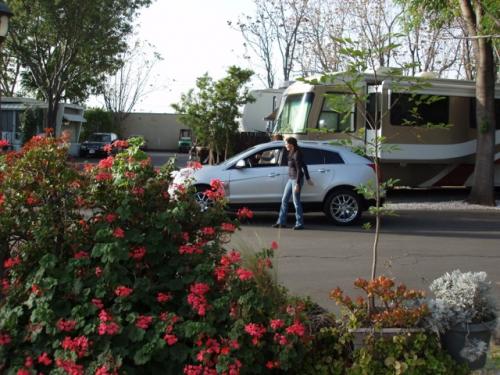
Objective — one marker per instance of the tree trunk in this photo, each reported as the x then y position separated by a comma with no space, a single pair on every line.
484,173
52,109
483,184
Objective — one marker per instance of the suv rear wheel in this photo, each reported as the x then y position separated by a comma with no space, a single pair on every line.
343,207
201,198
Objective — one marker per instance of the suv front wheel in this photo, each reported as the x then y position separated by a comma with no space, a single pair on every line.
343,207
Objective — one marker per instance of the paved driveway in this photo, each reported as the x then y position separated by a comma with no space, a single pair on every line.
415,247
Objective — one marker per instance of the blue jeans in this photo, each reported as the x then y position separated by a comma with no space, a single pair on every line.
290,191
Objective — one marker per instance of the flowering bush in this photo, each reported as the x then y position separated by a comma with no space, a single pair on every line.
106,272
398,306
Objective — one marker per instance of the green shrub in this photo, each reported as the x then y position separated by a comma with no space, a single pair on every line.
330,353
108,271
415,354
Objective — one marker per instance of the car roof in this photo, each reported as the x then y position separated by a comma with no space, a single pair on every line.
319,144
345,151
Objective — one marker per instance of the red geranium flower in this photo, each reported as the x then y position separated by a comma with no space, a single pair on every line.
81,255
228,227
66,325
163,297
123,291
120,144
245,213
103,176
12,262
143,321
244,274
138,253
119,233
44,359
297,328
97,302
170,339
111,217
106,163
4,339
194,164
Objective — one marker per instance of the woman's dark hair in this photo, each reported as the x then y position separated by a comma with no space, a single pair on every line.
292,141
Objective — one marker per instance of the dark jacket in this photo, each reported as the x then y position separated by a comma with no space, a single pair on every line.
296,167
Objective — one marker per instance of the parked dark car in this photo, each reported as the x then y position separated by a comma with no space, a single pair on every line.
94,145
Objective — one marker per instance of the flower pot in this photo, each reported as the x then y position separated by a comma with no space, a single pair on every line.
360,334
457,337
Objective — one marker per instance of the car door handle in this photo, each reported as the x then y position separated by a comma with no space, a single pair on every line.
323,170
272,175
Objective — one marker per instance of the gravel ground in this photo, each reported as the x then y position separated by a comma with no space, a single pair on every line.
441,206
435,199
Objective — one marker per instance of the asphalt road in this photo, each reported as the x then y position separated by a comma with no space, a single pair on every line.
415,247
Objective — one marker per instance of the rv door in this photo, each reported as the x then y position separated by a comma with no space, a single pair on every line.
374,116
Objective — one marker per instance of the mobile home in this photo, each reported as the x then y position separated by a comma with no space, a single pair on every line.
428,124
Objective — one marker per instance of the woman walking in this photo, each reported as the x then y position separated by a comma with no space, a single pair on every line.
296,172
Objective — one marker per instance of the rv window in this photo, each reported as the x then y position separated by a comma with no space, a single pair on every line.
293,117
472,113
419,110
337,113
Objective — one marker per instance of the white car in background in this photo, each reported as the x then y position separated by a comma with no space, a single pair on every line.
256,178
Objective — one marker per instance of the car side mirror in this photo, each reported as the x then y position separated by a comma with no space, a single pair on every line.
240,164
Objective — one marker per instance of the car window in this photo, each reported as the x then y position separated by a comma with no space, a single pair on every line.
236,157
332,157
100,138
313,156
264,158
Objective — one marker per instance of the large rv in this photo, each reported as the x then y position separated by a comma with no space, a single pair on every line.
416,152
258,115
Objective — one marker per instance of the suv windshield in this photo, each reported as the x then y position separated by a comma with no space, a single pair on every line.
100,138
293,116
237,156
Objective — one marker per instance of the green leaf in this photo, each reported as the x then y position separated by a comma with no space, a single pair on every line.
136,334
143,355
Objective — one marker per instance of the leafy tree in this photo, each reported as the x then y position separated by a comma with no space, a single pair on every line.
211,110
31,122
66,47
482,21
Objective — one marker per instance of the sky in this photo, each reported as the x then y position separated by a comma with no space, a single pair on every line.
193,38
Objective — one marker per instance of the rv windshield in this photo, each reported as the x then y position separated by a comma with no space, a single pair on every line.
293,116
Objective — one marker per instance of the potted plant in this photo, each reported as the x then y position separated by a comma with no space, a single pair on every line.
397,311
464,313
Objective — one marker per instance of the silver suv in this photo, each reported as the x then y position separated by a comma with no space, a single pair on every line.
256,178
